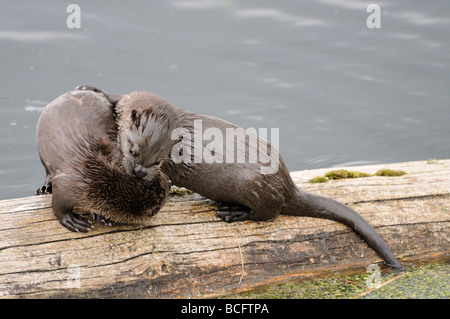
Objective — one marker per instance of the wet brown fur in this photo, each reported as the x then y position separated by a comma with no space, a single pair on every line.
264,196
140,114
76,137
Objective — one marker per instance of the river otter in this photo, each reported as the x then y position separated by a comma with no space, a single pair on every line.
259,196
76,137
137,133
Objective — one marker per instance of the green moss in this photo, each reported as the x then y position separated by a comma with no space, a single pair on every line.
342,173
361,174
338,174
390,172
332,287
175,190
432,161
318,179
421,281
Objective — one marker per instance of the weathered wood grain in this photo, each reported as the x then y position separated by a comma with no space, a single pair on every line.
185,251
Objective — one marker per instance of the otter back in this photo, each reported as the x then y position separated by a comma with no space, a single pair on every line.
76,137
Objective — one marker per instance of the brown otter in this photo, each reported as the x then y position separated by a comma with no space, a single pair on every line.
137,133
76,143
259,196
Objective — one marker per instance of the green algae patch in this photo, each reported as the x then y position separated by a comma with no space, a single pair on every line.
421,281
390,172
318,179
338,174
429,281
342,173
180,191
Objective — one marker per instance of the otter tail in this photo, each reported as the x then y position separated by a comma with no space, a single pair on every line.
310,205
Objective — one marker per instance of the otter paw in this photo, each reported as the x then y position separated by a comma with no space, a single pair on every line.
102,220
76,223
154,211
234,213
44,190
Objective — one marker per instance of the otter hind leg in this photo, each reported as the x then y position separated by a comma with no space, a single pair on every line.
233,213
261,212
62,206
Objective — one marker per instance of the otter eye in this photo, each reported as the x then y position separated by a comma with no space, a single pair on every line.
157,163
132,152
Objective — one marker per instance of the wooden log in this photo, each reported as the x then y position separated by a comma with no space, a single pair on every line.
185,251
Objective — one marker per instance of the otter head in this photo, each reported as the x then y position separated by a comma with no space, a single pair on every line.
146,123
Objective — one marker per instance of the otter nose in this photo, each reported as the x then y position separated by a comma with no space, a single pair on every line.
139,173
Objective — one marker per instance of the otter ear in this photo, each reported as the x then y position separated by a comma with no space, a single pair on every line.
134,115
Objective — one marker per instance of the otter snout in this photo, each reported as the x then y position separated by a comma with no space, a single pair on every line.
139,172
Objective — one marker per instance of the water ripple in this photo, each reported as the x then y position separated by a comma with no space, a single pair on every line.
278,15
38,36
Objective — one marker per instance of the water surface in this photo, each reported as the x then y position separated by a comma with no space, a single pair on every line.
340,93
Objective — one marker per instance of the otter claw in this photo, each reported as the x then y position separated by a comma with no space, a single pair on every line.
102,220
76,223
44,190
